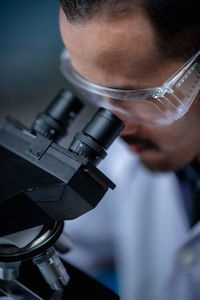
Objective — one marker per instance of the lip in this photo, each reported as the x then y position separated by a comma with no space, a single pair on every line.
137,148
137,144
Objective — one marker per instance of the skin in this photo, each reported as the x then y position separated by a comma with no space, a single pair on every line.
123,51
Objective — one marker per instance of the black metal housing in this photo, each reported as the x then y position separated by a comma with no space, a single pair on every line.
40,181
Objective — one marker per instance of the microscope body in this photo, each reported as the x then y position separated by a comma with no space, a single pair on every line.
41,185
41,181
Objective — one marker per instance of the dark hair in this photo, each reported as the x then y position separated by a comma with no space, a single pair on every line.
82,10
176,21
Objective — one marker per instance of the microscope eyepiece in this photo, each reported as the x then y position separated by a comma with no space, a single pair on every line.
58,116
97,135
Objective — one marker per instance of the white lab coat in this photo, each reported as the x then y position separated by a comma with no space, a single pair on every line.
143,226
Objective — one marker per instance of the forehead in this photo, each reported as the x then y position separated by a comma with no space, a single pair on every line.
104,47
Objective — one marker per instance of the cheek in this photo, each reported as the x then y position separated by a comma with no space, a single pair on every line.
169,140
178,142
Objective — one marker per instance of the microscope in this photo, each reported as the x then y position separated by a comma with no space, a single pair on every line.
42,184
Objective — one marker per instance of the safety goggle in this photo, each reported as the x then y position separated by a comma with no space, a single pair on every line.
158,106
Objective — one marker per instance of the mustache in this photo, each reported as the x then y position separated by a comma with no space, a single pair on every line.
130,139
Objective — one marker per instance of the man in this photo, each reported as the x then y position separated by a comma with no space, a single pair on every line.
141,57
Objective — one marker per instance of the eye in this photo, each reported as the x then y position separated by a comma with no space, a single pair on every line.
117,103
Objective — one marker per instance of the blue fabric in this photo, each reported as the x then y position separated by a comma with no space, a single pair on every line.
189,180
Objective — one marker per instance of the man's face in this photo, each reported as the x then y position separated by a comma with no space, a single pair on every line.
123,52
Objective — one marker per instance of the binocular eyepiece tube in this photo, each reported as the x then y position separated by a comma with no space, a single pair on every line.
97,136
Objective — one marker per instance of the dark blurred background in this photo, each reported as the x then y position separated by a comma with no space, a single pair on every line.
30,48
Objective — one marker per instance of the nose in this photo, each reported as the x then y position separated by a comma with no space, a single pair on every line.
130,128
131,125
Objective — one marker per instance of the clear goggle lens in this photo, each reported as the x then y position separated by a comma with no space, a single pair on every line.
159,106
